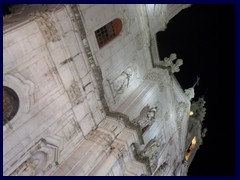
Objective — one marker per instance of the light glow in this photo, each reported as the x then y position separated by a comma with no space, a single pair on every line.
190,149
191,113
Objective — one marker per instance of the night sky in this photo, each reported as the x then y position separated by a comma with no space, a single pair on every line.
204,37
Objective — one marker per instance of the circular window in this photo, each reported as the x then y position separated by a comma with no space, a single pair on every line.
10,104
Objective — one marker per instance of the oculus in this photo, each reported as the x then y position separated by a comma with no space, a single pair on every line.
10,104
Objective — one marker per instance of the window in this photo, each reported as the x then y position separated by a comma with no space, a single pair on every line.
10,104
190,148
108,32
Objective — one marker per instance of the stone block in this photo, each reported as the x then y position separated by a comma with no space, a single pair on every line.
36,40
86,124
81,65
66,25
71,43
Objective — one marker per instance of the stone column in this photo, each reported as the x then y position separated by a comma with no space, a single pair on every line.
105,167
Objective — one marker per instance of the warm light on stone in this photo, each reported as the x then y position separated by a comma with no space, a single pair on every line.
190,149
194,141
191,113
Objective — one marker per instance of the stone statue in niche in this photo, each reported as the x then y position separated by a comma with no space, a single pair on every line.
146,117
152,151
33,166
151,147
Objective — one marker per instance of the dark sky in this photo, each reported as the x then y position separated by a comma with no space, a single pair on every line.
204,37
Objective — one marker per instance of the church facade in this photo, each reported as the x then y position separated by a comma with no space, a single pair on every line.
85,93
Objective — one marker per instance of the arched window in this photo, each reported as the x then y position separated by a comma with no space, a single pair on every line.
108,32
190,148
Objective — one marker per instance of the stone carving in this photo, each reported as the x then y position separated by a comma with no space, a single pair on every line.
198,109
164,166
190,91
33,166
152,151
100,138
75,94
181,108
139,41
23,87
118,149
146,117
47,26
169,63
154,76
162,169
122,81
151,147
204,132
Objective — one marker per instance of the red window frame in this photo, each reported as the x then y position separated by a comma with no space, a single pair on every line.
108,32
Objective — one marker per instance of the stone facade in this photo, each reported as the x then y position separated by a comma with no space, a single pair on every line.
85,110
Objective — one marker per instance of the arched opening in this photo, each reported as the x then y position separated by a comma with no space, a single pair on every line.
10,104
190,148
108,32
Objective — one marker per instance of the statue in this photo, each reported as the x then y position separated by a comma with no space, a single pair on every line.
151,113
148,118
190,91
151,147
199,109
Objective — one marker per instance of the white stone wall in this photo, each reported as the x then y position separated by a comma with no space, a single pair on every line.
61,116
125,51
48,77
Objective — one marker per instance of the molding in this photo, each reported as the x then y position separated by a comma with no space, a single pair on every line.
98,74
